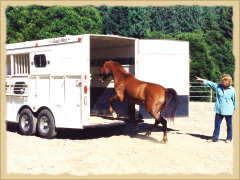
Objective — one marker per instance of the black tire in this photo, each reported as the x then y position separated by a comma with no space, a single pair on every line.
27,123
46,124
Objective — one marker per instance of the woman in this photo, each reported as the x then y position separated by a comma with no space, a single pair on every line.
225,104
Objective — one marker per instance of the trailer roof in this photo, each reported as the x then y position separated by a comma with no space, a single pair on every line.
63,40
110,41
98,41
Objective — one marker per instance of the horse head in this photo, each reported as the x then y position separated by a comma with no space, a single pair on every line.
105,71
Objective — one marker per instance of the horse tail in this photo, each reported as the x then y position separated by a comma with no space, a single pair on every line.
171,104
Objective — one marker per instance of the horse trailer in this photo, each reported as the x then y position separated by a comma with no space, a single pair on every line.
53,83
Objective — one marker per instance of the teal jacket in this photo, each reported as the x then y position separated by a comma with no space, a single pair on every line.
226,101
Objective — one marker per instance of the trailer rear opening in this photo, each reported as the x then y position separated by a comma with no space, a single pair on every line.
104,48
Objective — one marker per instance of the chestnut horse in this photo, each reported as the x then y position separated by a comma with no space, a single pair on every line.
160,102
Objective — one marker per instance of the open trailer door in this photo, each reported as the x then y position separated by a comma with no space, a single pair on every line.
165,62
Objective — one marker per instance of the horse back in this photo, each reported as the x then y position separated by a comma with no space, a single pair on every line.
156,91
141,90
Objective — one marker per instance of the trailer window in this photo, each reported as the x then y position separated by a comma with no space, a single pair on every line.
40,60
21,64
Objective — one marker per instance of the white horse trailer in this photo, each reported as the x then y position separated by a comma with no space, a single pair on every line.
52,83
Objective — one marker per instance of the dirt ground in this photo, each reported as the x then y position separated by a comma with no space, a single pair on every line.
112,148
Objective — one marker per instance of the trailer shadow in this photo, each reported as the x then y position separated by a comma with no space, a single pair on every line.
104,130
12,127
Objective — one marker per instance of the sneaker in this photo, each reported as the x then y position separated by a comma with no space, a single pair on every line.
227,141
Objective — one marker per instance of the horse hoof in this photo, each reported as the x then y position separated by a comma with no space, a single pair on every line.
147,133
163,141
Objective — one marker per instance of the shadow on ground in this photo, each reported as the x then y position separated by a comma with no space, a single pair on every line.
201,136
104,130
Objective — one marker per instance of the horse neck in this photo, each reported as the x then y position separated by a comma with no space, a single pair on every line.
119,74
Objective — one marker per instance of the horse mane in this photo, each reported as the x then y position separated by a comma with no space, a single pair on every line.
122,72
119,66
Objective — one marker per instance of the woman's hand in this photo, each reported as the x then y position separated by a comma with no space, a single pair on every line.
199,79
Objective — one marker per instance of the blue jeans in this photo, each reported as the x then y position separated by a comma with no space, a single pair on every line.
218,121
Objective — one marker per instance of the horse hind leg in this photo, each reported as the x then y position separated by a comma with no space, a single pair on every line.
164,123
153,109
148,133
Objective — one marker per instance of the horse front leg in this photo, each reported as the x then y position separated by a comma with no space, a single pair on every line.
119,90
131,112
111,100
132,116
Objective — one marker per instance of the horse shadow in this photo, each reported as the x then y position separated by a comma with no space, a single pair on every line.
112,129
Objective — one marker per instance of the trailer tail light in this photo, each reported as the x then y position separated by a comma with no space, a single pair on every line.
85,77
79,39
79,83
85,89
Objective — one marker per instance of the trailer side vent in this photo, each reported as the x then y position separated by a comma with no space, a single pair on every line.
19,87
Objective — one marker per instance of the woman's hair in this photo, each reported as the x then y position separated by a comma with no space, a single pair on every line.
226,80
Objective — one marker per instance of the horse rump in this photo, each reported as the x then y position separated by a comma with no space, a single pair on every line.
170,105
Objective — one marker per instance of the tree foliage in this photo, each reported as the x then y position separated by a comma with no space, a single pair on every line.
38,22
126,21
176,19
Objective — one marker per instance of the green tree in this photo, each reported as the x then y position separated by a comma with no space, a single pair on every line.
225,21
176,19
158,35
164,19
126,21
221,51
39,22
209,20
189,18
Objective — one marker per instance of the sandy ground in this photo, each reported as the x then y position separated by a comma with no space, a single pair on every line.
112,148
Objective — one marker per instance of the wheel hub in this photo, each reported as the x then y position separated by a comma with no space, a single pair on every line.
44,124
25,122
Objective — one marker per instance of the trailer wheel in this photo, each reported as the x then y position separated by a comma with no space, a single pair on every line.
46,125
27,123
